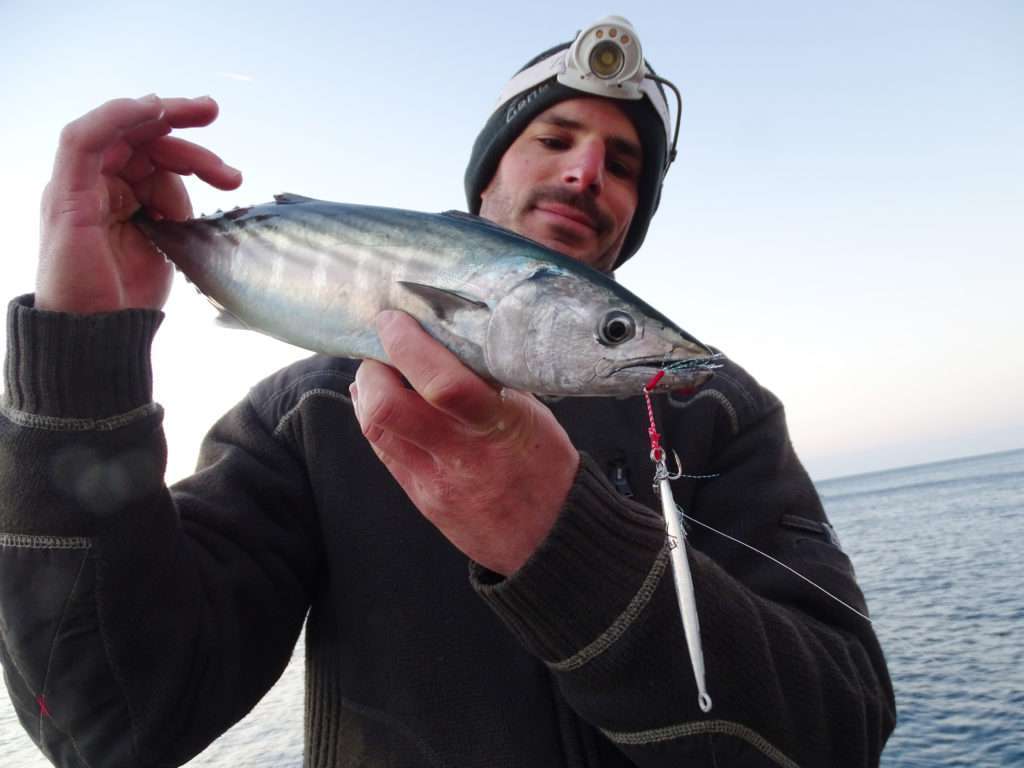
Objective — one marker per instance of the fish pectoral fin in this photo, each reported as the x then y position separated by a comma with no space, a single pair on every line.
443,301
224,318
290,197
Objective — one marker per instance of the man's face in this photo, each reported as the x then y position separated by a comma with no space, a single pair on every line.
570,181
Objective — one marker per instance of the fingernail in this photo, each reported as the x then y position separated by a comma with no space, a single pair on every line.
150,98
353,392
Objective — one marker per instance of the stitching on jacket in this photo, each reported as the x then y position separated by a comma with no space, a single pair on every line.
305,396
311,375
49,663
69,737
25,541
61,424
724,727
622,622
751,402
727,406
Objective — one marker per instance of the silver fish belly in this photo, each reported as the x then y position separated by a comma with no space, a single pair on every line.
315,274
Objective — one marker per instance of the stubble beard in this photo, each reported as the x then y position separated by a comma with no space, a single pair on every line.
499,208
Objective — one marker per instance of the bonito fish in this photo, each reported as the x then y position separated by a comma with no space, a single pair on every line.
315,274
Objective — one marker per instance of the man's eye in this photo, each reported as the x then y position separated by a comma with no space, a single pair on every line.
553,143
622,170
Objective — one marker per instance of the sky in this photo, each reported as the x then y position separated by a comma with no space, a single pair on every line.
844,218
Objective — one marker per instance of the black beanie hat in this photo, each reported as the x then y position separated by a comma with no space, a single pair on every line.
512,117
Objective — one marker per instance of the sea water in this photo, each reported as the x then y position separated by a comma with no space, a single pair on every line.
937,549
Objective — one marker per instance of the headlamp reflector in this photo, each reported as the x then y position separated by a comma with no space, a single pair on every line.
606,60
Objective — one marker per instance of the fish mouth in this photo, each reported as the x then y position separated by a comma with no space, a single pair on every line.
695,365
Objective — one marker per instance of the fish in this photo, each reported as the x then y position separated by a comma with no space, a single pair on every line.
315,273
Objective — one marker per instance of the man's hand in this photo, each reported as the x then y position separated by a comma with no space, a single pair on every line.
490,469
111,162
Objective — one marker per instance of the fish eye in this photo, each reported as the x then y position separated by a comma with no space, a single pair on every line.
615,328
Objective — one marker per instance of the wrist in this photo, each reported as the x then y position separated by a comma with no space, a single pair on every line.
85,366
602,553
527,536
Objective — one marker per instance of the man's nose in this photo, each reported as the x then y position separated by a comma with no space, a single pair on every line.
584,169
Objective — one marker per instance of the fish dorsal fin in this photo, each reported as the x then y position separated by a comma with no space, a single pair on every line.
286,198
480,221
444,302
455,214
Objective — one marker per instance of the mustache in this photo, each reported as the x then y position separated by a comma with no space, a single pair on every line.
601,221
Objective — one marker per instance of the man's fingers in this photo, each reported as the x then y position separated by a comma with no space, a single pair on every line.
384,405
439,376
408,463
185,158
146,132
190,113
389,439
108,138
176,113
84,141
163,194
137,168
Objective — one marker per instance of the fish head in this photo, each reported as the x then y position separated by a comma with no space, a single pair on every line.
577,332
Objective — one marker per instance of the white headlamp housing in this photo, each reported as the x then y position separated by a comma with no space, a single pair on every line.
606,60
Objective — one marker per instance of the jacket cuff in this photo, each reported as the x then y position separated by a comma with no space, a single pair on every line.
594,564
78,366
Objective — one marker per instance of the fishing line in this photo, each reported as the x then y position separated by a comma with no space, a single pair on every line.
774,560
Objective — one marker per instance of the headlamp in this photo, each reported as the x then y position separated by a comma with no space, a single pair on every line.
606,60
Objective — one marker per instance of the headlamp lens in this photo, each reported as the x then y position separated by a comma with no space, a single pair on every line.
606,60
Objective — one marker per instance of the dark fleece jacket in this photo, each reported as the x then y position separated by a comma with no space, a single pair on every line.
138,622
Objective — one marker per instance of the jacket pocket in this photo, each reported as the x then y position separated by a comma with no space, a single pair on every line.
819,542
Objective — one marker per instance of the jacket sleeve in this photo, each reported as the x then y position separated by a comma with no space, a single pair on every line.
137,622
795,678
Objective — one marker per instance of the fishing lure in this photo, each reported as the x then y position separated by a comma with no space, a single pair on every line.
680,562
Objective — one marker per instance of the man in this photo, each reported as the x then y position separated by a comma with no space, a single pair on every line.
140,622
